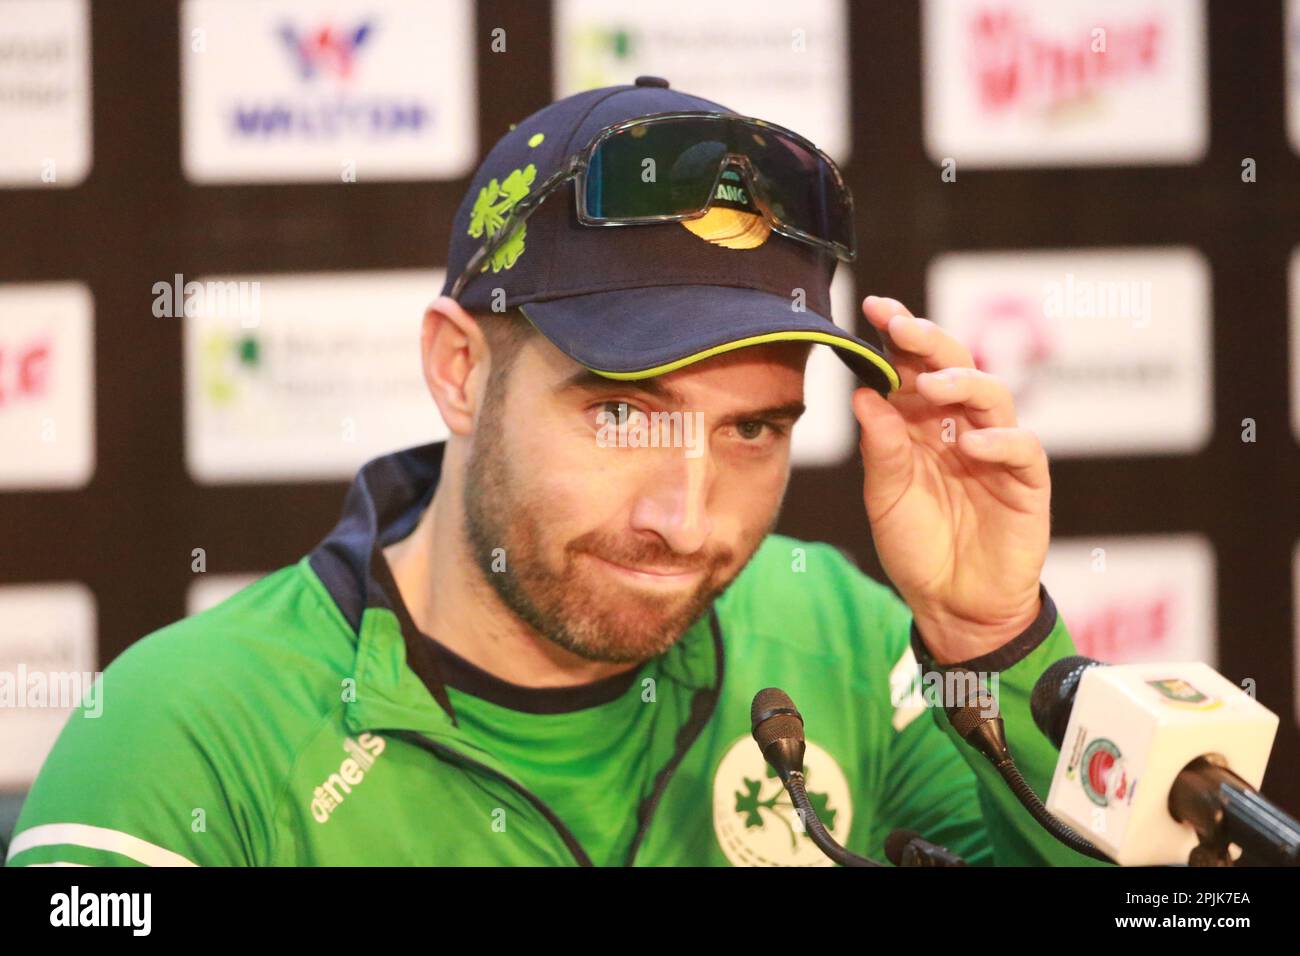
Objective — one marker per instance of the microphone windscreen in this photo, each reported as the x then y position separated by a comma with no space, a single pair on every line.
773,717
779,727
1053,695
766,701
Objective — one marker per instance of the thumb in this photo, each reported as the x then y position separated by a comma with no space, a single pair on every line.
886,447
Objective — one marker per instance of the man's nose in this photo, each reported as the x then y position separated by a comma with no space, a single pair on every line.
673,502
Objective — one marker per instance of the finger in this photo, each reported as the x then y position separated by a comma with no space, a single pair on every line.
912,345
922,339
985,398
1017,449
885,445
879,310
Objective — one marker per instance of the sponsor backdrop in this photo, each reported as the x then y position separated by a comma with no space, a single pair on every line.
222,221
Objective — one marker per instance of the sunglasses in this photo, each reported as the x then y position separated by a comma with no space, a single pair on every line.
671,167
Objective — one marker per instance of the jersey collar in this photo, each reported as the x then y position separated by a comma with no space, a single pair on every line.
396,667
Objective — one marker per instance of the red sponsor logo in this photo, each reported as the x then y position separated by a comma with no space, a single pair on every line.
1016,64
1009,337
1120,632
24,370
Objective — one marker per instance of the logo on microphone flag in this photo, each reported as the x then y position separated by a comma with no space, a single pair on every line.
1179,693
1101,771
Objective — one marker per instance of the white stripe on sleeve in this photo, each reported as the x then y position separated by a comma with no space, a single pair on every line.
96,838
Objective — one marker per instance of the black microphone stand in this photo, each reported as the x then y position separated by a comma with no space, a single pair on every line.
1223,809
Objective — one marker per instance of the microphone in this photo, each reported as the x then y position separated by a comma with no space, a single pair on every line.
1161,763
908,848
974,714
778,730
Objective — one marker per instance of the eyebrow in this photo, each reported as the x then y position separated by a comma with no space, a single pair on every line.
585,380
790,411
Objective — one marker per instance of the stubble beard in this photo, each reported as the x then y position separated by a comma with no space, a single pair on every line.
577,606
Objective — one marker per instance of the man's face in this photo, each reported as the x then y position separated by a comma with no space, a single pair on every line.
613,551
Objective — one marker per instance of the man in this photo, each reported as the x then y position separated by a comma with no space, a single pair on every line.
537,642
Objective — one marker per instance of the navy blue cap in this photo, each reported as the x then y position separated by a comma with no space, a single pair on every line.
637,301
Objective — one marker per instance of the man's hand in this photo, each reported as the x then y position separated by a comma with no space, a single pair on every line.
957,495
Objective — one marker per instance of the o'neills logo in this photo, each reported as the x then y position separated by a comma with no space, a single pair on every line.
329,795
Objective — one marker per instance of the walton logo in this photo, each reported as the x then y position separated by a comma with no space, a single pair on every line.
753,818
327,797
325,50
325,112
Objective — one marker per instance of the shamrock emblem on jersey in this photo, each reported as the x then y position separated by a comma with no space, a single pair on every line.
492,208
779,807
753,819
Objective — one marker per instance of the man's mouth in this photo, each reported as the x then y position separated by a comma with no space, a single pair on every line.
654,575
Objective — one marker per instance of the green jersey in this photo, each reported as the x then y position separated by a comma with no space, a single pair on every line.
307,721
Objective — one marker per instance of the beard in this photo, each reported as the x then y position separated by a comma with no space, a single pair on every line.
577,605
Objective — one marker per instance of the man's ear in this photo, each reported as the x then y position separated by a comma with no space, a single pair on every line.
455,359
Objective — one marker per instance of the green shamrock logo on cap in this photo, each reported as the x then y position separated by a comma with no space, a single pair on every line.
492,207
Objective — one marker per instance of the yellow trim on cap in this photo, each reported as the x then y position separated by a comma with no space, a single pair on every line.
792,336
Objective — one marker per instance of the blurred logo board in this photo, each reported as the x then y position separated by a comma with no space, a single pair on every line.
1295,611
297,90
208,590
44,93
1291,40
785,63
47,667
327,378
47,393
1071,82
1131,600
1295,341
1107,352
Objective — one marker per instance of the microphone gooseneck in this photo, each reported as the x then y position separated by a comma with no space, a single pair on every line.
979,722
778,730
909,848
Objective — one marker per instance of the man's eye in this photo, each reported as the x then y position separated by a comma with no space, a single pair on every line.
757,431
614,413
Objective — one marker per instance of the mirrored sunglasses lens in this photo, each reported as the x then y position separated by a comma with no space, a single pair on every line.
655,169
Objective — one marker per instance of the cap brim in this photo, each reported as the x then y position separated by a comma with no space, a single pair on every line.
640,333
